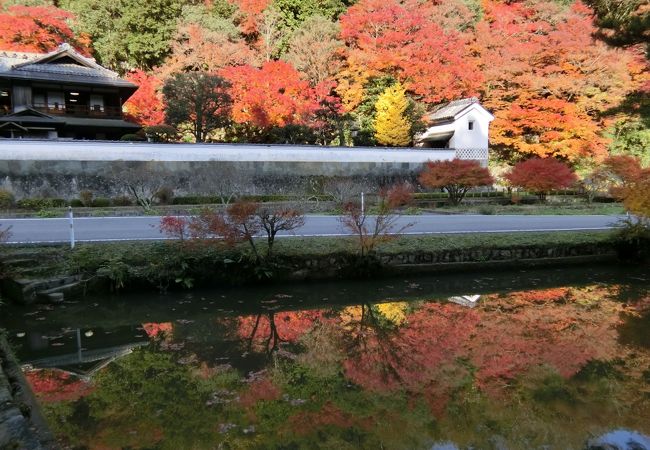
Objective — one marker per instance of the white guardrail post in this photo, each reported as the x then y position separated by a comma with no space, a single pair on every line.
71,222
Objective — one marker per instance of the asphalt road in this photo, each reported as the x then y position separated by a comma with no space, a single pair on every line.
146,228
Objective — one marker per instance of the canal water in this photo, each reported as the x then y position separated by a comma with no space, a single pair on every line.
534,359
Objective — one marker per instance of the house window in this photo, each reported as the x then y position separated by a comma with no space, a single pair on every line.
470,125
97,103
55,101
5,101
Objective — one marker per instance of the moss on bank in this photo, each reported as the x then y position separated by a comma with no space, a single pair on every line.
442,242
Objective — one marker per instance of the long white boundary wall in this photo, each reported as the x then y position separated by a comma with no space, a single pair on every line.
33,168
21,150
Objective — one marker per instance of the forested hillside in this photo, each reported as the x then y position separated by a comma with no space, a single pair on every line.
312,71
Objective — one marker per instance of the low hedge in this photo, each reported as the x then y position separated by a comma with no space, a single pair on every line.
40,203
101,202
213,199
196,200
444,195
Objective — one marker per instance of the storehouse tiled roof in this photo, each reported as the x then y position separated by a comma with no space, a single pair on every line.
447,111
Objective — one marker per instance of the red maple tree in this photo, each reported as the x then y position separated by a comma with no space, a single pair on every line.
199,49
273,95
146,105
456,177
176,227
541,175
38,29
250,12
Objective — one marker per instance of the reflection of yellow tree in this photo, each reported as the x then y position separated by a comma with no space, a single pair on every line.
370,347
381,356
394,311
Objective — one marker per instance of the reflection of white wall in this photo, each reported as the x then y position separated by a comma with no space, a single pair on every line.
465,300
55,98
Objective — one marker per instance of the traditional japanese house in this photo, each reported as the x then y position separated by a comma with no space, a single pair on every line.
61,95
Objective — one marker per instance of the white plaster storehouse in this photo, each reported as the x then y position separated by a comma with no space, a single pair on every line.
462,125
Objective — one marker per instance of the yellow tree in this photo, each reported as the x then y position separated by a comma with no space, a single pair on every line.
636,195
392,127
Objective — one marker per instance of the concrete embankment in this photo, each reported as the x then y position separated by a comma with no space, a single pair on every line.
22,426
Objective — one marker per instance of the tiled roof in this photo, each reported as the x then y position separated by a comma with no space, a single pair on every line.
9,59
67,69
44,66
447,111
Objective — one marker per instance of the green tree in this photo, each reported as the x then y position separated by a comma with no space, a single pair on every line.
128,34
632,137
292,14
392,126
313,47
623,22
295,12
217,18
197,98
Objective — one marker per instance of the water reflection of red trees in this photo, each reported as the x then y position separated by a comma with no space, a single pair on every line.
381,357
307,422
267,330
434,346
503,338
560,328
259,390
155,329
51,385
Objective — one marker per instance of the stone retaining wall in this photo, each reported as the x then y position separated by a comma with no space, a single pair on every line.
459,260
22,426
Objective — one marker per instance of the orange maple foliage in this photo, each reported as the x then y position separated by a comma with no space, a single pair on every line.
198,49
548,127
629,182
506,336
402,39
38,29
146,105
381,359
637,195
548,79
522,330
273,95
251,12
